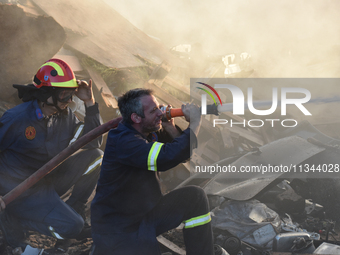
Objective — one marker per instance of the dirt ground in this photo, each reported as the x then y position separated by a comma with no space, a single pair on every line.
77,247
40,241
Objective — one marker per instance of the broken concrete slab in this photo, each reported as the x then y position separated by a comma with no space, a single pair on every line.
26,41
98,31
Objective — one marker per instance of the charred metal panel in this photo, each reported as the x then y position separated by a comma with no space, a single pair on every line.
290,150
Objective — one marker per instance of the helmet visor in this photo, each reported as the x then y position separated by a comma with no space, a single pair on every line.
65,95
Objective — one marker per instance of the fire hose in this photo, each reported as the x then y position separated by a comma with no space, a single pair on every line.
58,159
170,112
82,141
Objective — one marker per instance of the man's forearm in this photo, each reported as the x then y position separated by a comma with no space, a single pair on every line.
195,126
89,103
173,132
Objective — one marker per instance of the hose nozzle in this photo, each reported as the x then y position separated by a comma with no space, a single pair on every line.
170,112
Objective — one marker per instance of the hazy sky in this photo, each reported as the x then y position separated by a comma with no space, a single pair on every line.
236,23
282,33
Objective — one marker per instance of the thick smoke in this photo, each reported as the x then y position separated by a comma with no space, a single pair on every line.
286,38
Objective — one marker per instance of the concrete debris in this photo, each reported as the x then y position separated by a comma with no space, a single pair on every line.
290,202
285,214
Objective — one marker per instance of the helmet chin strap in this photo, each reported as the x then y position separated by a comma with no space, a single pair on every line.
55,104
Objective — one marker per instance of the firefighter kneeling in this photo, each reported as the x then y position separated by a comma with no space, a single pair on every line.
129,211
34,132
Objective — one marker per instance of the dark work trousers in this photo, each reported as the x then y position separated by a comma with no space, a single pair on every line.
42,209
174,208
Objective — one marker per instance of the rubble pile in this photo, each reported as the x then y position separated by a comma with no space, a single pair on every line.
254,216
255,227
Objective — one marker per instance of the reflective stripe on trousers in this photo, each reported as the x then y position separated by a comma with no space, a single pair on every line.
55,234
97,162
197,221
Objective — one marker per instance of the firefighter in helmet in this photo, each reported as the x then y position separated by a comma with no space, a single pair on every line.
34,132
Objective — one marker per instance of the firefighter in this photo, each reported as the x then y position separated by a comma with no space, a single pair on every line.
34,132
129,211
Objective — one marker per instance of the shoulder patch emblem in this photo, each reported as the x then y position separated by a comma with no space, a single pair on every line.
30,133
154,137
39,114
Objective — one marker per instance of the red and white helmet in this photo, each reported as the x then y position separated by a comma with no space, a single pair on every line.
55,73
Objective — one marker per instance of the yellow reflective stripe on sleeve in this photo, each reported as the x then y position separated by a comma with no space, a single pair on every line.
55,234
55,66
79,131
197,221
153,155
68,84
97,162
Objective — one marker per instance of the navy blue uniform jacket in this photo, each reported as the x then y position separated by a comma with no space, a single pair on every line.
128,187
28,140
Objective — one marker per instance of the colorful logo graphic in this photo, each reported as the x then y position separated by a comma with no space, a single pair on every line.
209,93
30,133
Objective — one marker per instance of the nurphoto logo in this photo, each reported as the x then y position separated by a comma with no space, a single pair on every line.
258,108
